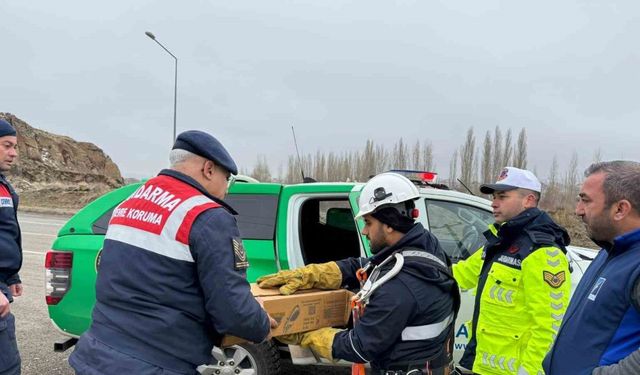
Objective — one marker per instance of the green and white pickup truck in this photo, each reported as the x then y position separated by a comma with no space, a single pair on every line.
282,227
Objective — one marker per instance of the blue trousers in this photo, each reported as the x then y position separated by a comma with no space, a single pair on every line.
92,357
9,355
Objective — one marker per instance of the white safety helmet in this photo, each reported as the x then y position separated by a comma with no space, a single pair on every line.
385,189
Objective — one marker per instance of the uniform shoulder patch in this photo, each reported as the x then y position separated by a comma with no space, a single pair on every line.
555,280
541,239
240,261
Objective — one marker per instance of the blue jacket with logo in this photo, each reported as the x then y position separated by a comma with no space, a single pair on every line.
421,295
171,280
10,239
602,324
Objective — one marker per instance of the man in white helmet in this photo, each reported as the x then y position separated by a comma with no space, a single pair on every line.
411,297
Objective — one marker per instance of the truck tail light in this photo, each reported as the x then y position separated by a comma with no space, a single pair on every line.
57,266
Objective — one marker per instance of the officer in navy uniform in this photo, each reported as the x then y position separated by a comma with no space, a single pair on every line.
411,298
171,280
10,253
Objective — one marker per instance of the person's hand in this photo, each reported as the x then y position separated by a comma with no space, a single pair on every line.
16,289
290,339
5,306
323,276
320,340
272,322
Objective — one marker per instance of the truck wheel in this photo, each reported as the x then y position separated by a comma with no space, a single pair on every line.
244,359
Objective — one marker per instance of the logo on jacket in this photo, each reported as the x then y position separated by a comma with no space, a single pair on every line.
596,288
554,279
510,261
513,249
6,202
239,255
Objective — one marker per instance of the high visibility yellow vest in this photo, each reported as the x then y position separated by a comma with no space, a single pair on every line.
520,309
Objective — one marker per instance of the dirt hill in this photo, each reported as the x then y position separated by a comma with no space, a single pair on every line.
55,171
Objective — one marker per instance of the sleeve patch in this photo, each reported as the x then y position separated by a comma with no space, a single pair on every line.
240,260
555,280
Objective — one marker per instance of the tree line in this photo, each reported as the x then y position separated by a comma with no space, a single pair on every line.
470,165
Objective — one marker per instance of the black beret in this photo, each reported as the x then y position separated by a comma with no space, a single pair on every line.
6,128
205,145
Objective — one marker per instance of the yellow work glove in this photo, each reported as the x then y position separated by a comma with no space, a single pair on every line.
320,340
322,276
291,339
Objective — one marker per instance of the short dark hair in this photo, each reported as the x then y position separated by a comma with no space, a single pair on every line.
621,181
524,192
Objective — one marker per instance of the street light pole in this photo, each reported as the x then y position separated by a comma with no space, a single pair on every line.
175,81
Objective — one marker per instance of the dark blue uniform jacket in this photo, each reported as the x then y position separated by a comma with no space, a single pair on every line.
170,312
10,240
420,294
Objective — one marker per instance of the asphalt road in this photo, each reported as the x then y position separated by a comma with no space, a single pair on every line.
35,332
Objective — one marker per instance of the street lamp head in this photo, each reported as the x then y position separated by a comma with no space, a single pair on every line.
150,35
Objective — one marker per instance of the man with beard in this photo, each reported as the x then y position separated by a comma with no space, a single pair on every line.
407,325
601,331
522,281
10,253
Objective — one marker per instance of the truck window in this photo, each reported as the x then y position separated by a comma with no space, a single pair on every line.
327,230
256,216
100,226
458,227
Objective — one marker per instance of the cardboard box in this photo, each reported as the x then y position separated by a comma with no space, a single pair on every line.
303,311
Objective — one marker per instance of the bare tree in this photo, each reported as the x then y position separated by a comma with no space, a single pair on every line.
453,170
498,164
507,151
571,182
427,157
520,152
261,170
486,170
551,195
400,155
319,167
416,156
368,162
293,171
467,160
597,155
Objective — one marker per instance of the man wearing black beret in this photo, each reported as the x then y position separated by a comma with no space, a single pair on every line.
171,279
10,253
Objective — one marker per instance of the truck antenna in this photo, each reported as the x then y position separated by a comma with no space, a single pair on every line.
295,142
465,186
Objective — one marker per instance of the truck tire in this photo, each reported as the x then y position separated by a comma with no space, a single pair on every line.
244,359
266,355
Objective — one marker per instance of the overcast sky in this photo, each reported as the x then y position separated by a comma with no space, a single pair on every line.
340,71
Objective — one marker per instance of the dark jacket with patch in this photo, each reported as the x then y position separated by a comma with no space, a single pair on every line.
171,280
422,294
10,239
